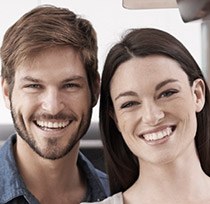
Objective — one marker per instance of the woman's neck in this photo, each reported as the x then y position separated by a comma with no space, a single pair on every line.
179,181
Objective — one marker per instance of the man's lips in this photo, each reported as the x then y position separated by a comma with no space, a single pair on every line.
52,124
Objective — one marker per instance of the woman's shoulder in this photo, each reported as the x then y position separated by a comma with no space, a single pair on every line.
115,199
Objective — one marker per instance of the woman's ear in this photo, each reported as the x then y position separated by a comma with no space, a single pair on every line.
96,90
199,94
113,116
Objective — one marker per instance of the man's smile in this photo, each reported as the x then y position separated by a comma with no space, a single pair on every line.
52,125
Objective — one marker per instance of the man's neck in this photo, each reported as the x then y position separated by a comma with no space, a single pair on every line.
51,180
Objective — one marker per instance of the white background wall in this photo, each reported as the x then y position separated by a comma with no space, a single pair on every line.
110,19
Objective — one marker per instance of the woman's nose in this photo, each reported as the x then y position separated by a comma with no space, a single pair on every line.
152,113
52,102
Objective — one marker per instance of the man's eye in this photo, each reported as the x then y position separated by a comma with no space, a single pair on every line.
71,85
33,86
129,104
168,93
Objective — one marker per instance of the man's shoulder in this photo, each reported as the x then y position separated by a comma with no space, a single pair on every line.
104,181
11,185
89,169
102,176
97,180
6,151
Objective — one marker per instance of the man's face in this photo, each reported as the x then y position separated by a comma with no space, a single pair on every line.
51,102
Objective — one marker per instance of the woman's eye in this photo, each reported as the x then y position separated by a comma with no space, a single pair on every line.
168,93
129,104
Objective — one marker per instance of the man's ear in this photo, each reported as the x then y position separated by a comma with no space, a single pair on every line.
199,94
96,90
5,92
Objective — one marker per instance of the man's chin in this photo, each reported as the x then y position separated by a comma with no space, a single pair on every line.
53,152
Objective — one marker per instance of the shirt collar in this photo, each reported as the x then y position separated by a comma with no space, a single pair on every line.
11,183
95,190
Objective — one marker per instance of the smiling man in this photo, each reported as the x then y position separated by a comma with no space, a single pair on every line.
50,83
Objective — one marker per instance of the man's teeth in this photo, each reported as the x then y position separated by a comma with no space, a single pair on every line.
158,135
45,124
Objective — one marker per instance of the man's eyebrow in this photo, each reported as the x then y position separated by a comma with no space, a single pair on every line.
163,83
74,78
127,93
31,79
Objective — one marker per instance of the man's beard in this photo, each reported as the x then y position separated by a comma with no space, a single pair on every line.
53,151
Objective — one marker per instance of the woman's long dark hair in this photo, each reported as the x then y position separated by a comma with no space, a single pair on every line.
122,165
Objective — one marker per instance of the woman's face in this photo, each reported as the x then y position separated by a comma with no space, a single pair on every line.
155,108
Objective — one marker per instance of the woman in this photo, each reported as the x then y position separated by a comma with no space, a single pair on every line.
154,118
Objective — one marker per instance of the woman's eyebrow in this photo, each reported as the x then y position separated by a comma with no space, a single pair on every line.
127,93
163,83
158,86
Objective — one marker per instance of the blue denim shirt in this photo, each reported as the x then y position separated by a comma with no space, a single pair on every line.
14,191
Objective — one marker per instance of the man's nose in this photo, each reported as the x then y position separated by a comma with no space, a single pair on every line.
152,113
52,102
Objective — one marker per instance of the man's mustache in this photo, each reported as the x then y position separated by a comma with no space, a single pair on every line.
58,116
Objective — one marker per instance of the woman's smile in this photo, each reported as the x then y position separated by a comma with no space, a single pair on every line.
157,109
157,135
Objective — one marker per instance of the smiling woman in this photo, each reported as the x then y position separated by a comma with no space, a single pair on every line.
158,103
154,118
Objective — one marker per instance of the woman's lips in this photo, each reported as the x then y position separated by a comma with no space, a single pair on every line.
158,134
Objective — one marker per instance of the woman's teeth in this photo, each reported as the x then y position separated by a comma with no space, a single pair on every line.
158,135
52,125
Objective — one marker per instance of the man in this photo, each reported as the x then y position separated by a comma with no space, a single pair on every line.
50,83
